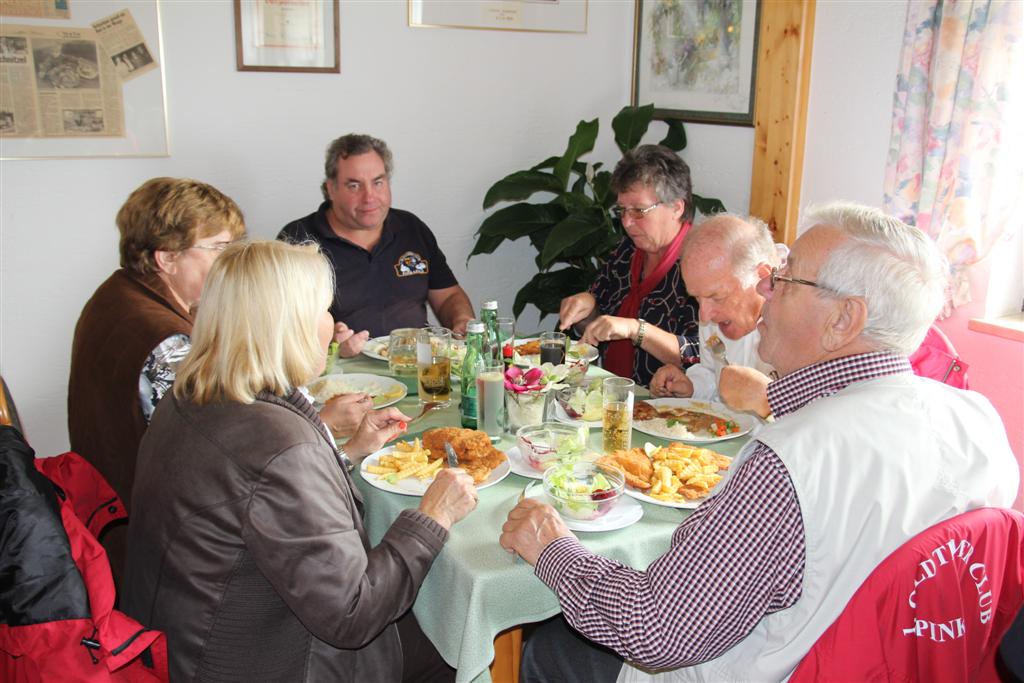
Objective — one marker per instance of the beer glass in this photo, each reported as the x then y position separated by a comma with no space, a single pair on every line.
434,364
402,351
617,417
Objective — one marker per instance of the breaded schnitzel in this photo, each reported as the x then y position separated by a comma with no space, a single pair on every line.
476,453
634,463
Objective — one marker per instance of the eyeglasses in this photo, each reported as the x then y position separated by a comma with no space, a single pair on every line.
775,277
216,246
633,212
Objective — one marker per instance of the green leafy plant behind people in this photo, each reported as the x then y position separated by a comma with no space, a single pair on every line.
573,231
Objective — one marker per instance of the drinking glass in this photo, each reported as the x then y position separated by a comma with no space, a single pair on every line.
490,399
552,347
506,338
434,364
402,351
617,417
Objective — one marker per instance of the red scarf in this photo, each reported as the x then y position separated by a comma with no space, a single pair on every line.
620,355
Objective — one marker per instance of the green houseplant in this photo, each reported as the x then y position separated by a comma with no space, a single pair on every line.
573,229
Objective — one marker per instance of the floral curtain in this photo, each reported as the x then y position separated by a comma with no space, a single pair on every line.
956,150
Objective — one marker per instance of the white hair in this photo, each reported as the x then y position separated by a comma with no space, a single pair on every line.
896,268
746,239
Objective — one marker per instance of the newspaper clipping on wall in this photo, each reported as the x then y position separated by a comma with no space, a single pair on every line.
124,43
57,82
37,9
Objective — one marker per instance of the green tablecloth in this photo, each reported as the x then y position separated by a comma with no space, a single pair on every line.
475,589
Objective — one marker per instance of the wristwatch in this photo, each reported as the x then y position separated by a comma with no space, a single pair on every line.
640,332
344,459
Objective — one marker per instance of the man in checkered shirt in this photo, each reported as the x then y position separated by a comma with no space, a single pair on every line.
862,456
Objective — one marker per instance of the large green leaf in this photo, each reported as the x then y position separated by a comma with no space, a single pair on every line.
573,202
602,189
546,290
675,139
485,244
581,142
566,233
630,124
521,185
708,205
512,222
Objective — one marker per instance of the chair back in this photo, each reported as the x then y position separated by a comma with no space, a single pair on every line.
8,413
934,610
937,358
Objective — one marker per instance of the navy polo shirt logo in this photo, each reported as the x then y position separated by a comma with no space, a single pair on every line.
411,263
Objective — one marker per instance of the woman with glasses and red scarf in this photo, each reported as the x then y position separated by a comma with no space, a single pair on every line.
638,305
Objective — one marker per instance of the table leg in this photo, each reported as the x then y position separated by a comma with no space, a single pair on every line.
508,646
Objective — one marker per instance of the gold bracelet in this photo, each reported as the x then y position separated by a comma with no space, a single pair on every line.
640,333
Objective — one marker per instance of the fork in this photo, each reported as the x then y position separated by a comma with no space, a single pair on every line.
717,348
427,407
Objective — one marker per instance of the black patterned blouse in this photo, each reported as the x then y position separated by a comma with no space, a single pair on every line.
668,306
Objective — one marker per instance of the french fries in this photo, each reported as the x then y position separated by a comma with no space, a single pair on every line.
407,460
683,472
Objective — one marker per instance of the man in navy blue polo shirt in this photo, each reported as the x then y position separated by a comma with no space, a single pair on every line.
387,263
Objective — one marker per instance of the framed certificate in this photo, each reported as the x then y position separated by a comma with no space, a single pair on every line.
297,35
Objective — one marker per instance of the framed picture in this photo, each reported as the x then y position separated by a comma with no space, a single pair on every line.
86,89
557,16
298,35
696,60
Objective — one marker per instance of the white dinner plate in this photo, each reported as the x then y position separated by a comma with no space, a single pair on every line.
377,348
745,422
585,351
627,512
412,486
385,391
688,505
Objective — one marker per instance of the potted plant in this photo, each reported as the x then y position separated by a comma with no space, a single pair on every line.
574,228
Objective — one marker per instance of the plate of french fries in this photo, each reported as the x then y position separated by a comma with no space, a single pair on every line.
408,468
679,476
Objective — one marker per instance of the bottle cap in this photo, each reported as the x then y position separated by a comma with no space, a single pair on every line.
490,305
476,326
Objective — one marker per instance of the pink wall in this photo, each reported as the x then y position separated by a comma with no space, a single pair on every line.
996,366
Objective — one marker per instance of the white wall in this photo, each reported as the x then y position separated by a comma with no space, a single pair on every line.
853,74
460,108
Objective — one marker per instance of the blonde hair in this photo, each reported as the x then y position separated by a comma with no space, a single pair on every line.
256,329
172,214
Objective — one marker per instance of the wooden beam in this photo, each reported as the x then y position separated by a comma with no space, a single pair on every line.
780,113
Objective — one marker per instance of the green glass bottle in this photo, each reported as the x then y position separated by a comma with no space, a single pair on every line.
489,317
475,332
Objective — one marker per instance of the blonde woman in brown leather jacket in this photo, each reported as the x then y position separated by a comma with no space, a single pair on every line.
246,542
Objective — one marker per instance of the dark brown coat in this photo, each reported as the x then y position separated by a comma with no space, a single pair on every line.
247,547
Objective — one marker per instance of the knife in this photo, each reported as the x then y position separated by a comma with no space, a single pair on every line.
453,459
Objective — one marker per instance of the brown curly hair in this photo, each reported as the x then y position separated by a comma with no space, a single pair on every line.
171,214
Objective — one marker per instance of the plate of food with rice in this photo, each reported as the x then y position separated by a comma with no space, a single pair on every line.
690,420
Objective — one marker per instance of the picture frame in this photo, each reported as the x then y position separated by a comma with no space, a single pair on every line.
549,16
299,36
688,60
144,99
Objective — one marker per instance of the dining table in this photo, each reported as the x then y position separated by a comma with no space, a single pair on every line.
477,596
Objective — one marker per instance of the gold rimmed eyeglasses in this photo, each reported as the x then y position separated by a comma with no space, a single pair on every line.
216,246
633,212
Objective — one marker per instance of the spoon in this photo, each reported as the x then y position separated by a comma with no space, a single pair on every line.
427,407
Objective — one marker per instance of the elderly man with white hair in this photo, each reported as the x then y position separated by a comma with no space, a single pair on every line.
722,261
862,456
